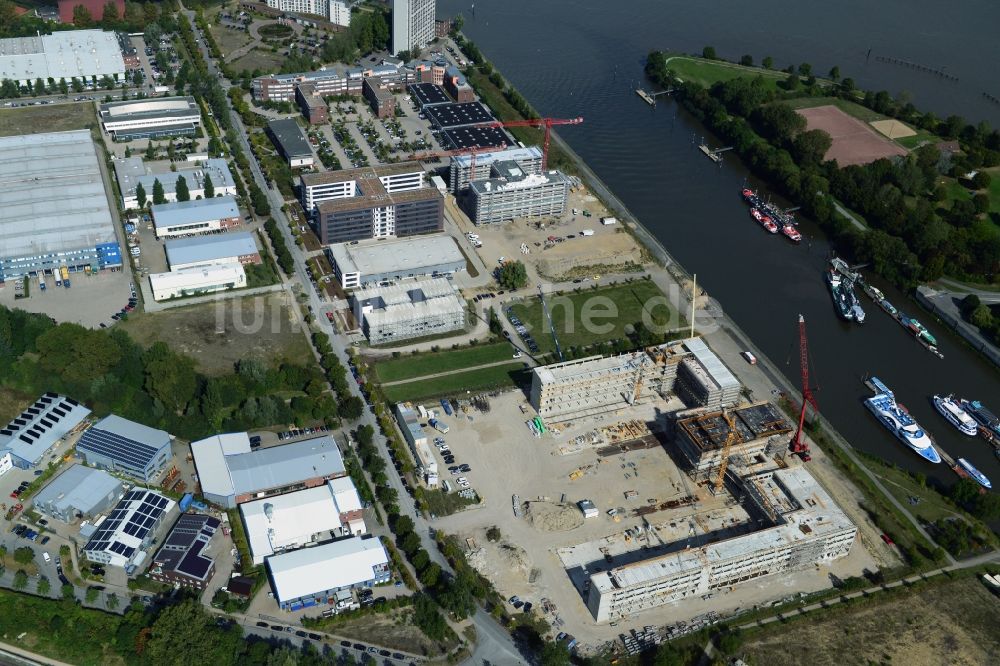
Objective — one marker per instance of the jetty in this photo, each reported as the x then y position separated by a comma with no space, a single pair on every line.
714,155
646,97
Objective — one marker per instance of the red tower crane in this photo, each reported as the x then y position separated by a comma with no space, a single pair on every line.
799,447
546,123
471,150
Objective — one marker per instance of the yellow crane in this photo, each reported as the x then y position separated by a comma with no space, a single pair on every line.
726,448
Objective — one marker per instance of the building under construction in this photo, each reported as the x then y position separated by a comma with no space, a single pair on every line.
704,380
801,527
747,431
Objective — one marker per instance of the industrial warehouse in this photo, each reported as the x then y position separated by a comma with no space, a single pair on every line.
369,263
197,280
131,172
150,118
291,142
408,310
372,202
54,212
237,247
183,218
61,56
33,433
126,447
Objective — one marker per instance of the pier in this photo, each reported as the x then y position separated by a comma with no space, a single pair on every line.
646,97
917,66
714,155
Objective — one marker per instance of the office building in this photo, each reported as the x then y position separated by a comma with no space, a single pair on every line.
53,208
302,518
183,558
126,447
197,280
196,216
702,438
513,193
412,24
151,118
62,56
121,539
372,202
313,106
415,436
704,380
372,262
237,247
132,172
79,492
291,142
32,433
337,12
409,310
230,473
313,576
457,86
331,81
804,528
460,172
427,72
379,97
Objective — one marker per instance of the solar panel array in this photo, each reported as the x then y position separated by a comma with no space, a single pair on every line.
127,452
135,515
182,550
41,416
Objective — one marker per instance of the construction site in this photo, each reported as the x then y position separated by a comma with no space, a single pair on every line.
654,508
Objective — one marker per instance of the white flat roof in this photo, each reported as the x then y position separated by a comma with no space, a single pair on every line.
197,276
404,255
293,519
52,197
330,566
64,54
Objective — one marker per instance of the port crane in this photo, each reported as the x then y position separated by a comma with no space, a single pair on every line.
799,447
540,123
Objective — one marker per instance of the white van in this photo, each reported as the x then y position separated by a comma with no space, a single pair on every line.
45,556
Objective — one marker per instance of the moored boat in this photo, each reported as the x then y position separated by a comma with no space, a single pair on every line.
840,301
899,422
974,473
790,232
950,409
989,423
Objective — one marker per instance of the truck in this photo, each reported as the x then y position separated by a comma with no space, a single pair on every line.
608,221
587,232
161,89
440,427
447,406
64,272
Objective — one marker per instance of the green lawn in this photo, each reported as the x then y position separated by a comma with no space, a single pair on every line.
610,310
500,376
430,363
709,72
957,190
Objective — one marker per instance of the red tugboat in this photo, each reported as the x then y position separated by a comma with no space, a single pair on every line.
769,224
789,230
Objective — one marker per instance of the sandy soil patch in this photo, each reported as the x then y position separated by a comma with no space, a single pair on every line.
853,141
893,128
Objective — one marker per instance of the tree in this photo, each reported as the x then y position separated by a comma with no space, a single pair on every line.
140,195
809,147
91,595
185,634
158,196
981,180
512,275
209,186
110,17
835,73
112,601
20,580
351,408
981,317
63,87
182,189
767,62
554,654
493,534
44,586
708,53
747,60
39,88
24,555
82,17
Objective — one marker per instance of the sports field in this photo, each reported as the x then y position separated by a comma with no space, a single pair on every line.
854,142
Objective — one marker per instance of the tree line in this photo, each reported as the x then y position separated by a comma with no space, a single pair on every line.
913,235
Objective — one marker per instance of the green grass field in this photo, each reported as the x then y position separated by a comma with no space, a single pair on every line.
709,72
958,191
610,310
47,118
431,363
500,376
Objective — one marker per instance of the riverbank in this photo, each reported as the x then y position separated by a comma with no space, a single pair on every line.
718,328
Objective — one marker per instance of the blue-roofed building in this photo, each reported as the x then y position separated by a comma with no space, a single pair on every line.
235,247
196,216
121,539
124,446
231,473
79,492
32,433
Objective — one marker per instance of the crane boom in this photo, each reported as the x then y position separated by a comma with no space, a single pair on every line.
552,327
798,446
544,123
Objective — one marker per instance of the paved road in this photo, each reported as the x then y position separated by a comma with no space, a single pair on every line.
493,644
961,290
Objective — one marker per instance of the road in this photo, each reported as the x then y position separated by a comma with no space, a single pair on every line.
493,644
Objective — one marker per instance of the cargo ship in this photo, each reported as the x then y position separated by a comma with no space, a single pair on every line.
989,423
949,408
899,422
973,473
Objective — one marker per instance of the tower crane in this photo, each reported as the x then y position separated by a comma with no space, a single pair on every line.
727,446
471,150
546,123
799,447
552,326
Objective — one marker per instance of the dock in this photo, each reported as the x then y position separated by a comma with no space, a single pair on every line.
646,97
713,155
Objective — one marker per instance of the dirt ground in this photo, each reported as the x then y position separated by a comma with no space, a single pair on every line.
47,118
393,630
853,141
219,334
537,556
952,623
893,128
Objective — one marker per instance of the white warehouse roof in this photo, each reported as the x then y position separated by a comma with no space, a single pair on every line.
62,55
398,256
194,211
52,197
330,566
31,433
209,249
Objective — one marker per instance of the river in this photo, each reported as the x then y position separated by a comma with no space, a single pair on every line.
585,58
